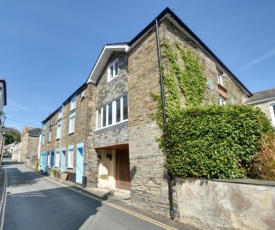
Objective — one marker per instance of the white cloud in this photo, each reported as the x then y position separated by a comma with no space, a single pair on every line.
257,60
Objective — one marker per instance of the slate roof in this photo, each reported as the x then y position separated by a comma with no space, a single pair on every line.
261,96
34,132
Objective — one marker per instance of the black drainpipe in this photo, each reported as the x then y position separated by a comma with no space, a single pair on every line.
170,194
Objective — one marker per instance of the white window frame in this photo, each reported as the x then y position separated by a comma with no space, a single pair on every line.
49,159
70,160
112,70
73,103
57,158
50,134
58,130
220,78
272,112
71,123
60,114
99,116
222,101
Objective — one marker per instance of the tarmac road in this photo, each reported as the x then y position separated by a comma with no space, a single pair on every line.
33,201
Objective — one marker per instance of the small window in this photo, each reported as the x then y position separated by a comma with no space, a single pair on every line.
71,157
57,158
99,118
220,80
118,114
59,113
222,101
110,112
104,116
71,123
272,113
58,131
73,103
50,134
113,70
125,107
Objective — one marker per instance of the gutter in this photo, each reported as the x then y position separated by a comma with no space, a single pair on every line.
169,177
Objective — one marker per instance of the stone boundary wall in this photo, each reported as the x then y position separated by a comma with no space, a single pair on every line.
221,204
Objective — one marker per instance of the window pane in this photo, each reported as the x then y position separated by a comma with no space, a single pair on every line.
110,114
111,71
118,107
125,107
99,119
116,68
104,116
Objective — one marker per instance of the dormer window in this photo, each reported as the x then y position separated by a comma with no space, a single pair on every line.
113,70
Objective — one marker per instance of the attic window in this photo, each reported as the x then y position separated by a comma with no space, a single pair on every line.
113,70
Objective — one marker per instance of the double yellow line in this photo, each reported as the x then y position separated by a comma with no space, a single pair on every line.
164,226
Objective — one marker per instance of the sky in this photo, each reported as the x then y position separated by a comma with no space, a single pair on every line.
49,47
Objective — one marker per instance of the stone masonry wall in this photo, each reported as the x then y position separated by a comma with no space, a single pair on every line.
31,158
206,204
149,187
234,93
148,179
91,161
264,107
80,131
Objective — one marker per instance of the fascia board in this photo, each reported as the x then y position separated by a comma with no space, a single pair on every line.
102,60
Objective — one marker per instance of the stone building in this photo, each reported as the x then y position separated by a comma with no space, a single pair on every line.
17,151
29,145
265,100
115,130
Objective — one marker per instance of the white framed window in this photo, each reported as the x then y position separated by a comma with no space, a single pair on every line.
49,159
51,121
50,134
57,158
70,157
222,101
59,113
113,70
73,103
43,133
71,123
220,80
58,130
272,113
113,113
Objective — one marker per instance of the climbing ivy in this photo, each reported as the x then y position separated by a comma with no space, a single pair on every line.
204,141
184,85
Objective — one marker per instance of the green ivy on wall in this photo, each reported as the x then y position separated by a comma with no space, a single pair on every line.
207,141
184,85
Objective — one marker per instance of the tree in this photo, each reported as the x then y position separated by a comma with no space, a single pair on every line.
12,135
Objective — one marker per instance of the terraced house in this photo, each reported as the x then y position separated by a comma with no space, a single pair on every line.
104,131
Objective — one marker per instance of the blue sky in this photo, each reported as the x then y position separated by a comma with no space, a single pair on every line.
48,48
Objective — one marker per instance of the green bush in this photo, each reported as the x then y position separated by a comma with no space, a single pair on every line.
214,141
263,165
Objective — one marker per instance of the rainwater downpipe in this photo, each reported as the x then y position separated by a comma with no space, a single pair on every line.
170,194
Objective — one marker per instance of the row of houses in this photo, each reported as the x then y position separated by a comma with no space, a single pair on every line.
103,133
26,150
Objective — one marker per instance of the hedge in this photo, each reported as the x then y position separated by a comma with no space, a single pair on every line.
213,141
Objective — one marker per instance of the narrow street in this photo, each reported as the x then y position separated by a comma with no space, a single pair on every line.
34,201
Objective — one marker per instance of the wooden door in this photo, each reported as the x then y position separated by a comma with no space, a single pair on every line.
123,169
